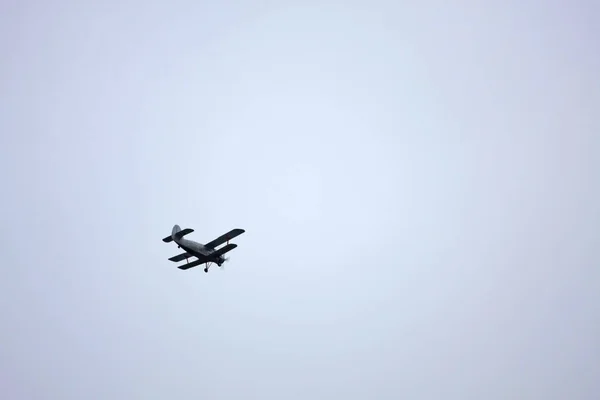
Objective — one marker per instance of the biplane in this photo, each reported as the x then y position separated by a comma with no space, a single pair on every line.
205,253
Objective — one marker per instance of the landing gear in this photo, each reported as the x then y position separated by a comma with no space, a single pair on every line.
207,267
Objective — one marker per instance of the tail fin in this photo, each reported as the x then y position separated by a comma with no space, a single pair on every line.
176,229
176,233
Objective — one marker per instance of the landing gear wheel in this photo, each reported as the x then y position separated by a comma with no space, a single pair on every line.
206,270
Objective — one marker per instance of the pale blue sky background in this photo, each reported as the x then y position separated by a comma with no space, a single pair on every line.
419,183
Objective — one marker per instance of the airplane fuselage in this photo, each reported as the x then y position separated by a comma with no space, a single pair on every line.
197,249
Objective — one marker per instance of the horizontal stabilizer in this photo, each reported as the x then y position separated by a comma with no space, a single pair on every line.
224,238
184,232
179,235
180,257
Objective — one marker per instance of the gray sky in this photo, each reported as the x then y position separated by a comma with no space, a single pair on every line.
419,184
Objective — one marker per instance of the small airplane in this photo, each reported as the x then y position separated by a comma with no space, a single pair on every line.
205,253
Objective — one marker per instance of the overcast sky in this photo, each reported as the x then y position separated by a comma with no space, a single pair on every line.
418,181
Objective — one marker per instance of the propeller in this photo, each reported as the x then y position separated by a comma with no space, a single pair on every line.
222,267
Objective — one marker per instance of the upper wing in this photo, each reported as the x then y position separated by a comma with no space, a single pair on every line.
224,238
180,257
179,234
